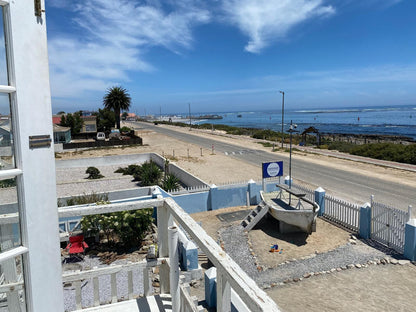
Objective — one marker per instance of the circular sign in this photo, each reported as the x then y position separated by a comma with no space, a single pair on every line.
273,169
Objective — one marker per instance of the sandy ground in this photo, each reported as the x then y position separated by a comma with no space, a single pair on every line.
372,289
295,245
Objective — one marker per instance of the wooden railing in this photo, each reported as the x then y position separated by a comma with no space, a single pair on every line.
77,277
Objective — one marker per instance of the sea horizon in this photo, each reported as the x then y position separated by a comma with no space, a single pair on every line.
394,120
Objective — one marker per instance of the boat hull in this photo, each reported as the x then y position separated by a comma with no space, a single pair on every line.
304,219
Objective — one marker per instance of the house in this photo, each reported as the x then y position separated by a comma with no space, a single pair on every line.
61,134
90,124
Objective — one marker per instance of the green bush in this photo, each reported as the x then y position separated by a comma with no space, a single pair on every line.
93,173
170,182
125,129
150,174
129,227
8,183
86,199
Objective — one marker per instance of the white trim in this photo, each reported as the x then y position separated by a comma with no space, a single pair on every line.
7,89
7,174
12,253
4,2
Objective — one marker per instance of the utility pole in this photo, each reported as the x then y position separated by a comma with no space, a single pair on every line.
283,113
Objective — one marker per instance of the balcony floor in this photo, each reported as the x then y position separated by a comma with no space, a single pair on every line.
159,303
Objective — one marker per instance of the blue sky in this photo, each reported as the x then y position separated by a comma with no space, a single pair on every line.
232,55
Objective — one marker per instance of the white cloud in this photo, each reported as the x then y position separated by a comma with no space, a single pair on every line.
109,39
266,21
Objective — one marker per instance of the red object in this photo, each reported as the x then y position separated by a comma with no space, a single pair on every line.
76,244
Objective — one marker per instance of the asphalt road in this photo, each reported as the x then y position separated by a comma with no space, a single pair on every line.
347,185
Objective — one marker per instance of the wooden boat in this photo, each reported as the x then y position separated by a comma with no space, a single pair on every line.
279,204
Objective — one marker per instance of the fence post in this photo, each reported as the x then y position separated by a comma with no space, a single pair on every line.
174,268
212,197
211,287
410,240
365,221
320,200
252,192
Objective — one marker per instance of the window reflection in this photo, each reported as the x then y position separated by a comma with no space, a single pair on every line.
13,299
3,63
9,223
6,134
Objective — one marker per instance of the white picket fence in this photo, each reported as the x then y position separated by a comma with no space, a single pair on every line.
388,225
310,194
342,212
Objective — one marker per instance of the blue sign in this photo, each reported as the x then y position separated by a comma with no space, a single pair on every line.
272,169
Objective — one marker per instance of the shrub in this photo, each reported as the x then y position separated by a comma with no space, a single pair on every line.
8,183
125,129
86,199
94,173
170,182
150,174
129,226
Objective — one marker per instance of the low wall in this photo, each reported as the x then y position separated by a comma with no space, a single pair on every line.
192,203
131,141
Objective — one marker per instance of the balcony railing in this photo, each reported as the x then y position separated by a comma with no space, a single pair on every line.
170,215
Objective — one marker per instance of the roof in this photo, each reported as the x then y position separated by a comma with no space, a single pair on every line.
57,128
56,119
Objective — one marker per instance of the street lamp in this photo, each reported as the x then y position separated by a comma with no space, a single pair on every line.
291,130
283,113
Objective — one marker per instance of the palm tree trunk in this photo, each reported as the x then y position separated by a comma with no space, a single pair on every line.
117,113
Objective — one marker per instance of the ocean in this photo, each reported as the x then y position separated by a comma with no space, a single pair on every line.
385,120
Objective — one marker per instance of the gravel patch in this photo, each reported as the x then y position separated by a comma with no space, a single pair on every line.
235,243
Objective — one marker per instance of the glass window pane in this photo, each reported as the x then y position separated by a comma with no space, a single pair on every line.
9,218
3,63
14,298
6,134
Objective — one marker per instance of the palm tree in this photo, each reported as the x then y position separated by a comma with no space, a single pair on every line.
117,99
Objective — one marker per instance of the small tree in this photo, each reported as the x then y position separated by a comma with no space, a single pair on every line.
105,120
73,121
94,173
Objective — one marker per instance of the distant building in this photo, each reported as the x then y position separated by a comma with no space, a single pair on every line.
90,124
61,134
130,116
56,119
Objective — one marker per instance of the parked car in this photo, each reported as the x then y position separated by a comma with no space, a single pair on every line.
100,136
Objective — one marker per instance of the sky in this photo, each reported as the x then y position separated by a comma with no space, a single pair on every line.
232,55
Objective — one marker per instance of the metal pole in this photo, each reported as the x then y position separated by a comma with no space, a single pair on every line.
290,162
283,113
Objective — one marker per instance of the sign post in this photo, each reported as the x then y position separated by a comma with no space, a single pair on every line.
271,170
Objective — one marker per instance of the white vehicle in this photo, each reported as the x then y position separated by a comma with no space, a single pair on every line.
100,136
